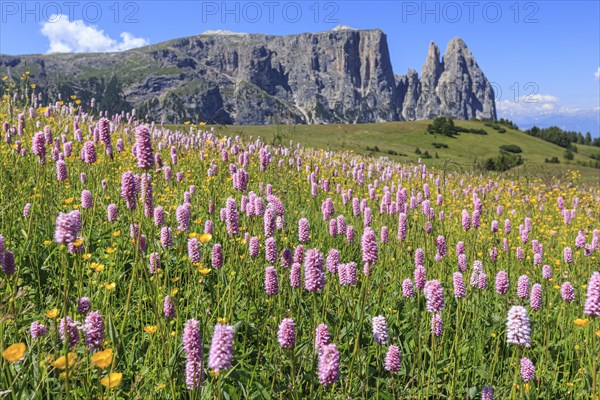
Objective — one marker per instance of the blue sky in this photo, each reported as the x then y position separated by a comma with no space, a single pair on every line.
542,56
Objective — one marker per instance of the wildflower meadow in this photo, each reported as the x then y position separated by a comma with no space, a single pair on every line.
141,261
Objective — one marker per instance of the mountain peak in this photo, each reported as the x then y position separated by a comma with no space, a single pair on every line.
343,28
457,42
434,51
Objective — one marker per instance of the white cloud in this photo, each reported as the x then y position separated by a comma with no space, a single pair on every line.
597,74
76,37
532,105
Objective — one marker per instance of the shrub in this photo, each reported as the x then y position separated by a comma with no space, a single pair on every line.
442,125
553,160
503,162
511,148
440,145
568,155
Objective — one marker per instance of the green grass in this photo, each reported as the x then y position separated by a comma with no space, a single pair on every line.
405,137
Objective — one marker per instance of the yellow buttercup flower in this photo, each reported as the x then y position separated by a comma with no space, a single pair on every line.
222,320
112,380
102,359
581,322
205,238
204,271
86,256
597,333
150,329
61,362
97,267
161,386
14,352
51,313
110,286
116,233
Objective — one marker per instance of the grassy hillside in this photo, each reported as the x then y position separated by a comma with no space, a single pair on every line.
404,138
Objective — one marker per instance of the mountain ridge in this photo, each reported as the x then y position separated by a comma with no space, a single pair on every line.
339,76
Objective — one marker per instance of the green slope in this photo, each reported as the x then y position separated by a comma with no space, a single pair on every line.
404,137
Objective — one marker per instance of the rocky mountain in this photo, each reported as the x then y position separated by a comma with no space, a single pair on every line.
343,75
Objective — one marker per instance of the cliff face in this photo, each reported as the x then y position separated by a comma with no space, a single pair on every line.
336,76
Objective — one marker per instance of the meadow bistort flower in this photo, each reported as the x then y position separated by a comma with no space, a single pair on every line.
221,348
286,335
192,345
592,301
380,330
518,330
329,364
393,359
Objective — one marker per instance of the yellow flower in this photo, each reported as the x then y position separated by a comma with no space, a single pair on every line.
174,292
47,243
86,256
192,235
161,386
112,380
14,352
597,333
204,271
97,267
581,322
205,238
61,362
150,329
102,359
212,372
222,320
69,200
175,279
110,286
116,233
51,313
110,250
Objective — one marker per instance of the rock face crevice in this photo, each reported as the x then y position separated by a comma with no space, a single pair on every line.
339,76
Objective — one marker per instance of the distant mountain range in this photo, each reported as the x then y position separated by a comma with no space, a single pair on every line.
343,75
583,121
